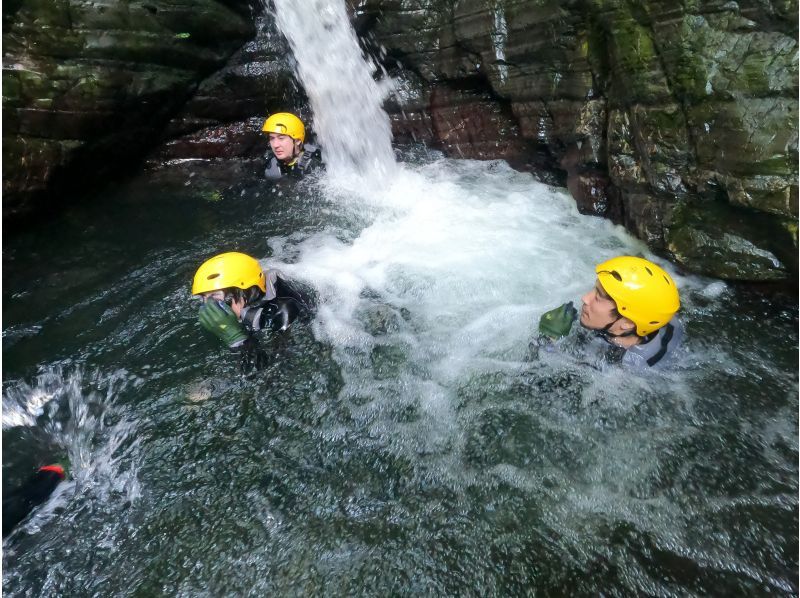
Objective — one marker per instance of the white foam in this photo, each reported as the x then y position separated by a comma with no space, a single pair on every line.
81,418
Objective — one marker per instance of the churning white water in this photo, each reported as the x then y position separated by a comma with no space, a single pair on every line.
455,261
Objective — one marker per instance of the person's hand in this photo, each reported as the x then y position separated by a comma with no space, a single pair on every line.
219,320
253,358
557,322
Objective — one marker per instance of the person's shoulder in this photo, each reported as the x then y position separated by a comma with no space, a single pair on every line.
659,351
677,326
314,153
273,168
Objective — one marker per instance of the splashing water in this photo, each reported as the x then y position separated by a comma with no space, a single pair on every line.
405,441
347,102
451,267
447,282
80,420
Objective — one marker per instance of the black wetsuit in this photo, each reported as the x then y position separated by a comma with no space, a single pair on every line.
276,313
18,503
309,160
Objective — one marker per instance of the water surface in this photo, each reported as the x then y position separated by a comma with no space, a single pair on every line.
407,440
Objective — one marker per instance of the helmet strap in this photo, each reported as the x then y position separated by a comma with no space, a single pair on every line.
608,335
297,149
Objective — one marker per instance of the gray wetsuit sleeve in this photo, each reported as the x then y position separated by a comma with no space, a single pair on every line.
272,171
660,351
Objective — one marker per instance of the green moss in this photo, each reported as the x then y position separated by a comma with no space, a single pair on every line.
784,165
12,87
791,227
631,54
718,54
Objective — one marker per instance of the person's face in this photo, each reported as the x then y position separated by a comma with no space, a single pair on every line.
235,305
598,308
283,146
213,295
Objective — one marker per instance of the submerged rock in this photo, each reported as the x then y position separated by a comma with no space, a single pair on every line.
716,237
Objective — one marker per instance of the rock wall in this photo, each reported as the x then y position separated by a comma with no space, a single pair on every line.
89,85
677,119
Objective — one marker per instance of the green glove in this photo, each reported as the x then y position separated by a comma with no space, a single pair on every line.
557,322
218,318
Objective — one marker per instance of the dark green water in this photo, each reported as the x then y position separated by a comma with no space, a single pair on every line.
325,474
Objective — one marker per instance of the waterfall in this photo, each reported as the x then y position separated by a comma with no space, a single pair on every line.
413,437
346,100
457,259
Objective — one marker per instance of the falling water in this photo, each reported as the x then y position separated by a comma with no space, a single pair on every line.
408,440
346,99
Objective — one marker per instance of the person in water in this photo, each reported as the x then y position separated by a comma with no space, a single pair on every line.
240,299
288,155
18,503
632,306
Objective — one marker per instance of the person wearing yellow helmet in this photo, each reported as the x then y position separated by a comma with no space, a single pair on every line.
632,306
288,154
240,299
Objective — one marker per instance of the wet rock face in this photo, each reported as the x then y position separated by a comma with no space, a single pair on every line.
659,115
223,118
88,85
648,109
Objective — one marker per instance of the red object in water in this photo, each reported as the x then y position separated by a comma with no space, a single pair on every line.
54,468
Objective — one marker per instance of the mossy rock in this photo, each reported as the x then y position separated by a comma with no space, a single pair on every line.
722,55
720,240
751,146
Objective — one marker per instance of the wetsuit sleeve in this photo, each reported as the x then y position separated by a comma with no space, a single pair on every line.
286,289
273,170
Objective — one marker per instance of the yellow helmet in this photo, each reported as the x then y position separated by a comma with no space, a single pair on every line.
644,292
284,123
227,270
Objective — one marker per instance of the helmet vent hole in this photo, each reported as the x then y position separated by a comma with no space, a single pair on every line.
616,275
213,276
650,272
654,322
667,279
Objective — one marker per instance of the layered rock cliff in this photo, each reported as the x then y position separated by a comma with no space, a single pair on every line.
677,119
89,86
